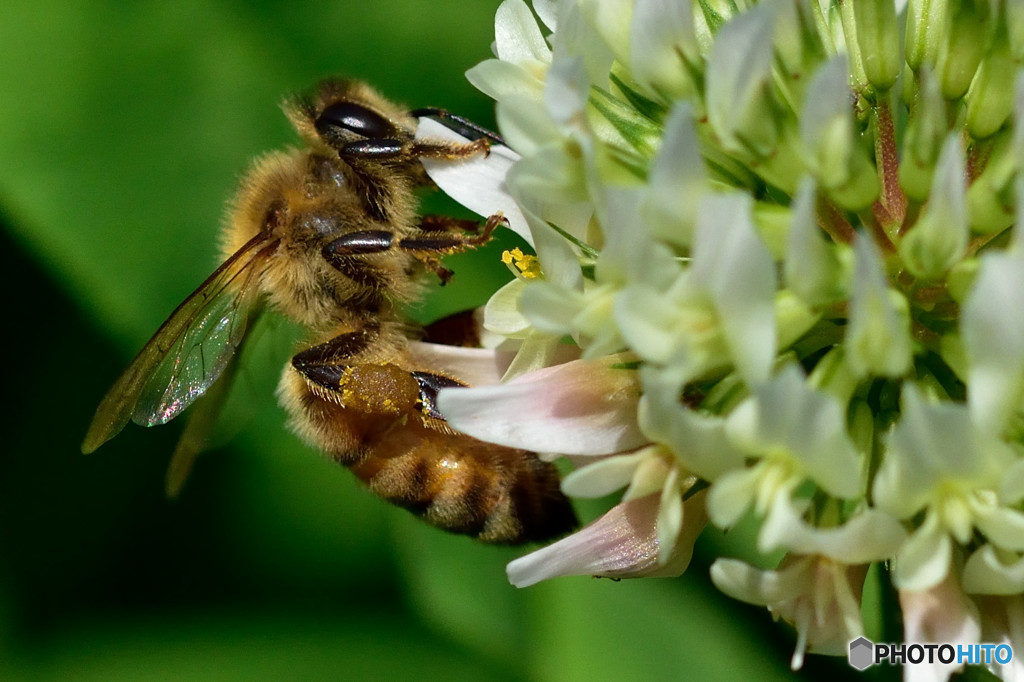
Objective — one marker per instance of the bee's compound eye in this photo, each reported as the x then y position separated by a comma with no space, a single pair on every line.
354,118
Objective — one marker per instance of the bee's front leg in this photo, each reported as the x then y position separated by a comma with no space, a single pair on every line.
459,124
393,149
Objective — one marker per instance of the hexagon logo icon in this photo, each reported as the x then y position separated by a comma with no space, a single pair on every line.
861,653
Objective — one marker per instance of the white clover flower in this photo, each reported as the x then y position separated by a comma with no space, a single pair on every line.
651,533
939,462
819,596
777,274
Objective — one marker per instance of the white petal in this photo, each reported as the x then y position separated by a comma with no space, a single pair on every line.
1011,487
551,309
985,573
630,253
942,613
677,180
1002,622
932,443
869,536
516,34
547,12
525,125
924,560
579,408
670,516
566,91
576,38
651,473
733,264
739,68
786,415
878,334
826,122
611,19
477,183
819,597
557,256
649,322
730,496
538,351
475,366
621,544
813,270
938,239
548,175
697,440
753,586
662,33
602,477
1003,527
992,327
502,315
503,80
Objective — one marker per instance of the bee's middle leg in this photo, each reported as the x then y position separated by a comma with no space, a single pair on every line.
427,245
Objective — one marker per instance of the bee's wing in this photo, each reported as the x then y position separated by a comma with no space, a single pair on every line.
189,351
196,436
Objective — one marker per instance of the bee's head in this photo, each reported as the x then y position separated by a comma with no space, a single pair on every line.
343,112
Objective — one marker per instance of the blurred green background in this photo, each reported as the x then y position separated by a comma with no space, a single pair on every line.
123,129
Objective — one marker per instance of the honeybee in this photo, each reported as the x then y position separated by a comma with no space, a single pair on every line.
329,236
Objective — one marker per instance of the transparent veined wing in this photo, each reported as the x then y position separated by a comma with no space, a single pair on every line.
189,351
197,435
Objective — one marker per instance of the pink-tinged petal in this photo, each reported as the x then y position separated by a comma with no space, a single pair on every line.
579,408
621,544
1002,622
942,613
475,366
477,183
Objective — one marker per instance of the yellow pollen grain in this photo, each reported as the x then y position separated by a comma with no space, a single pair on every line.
526,265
